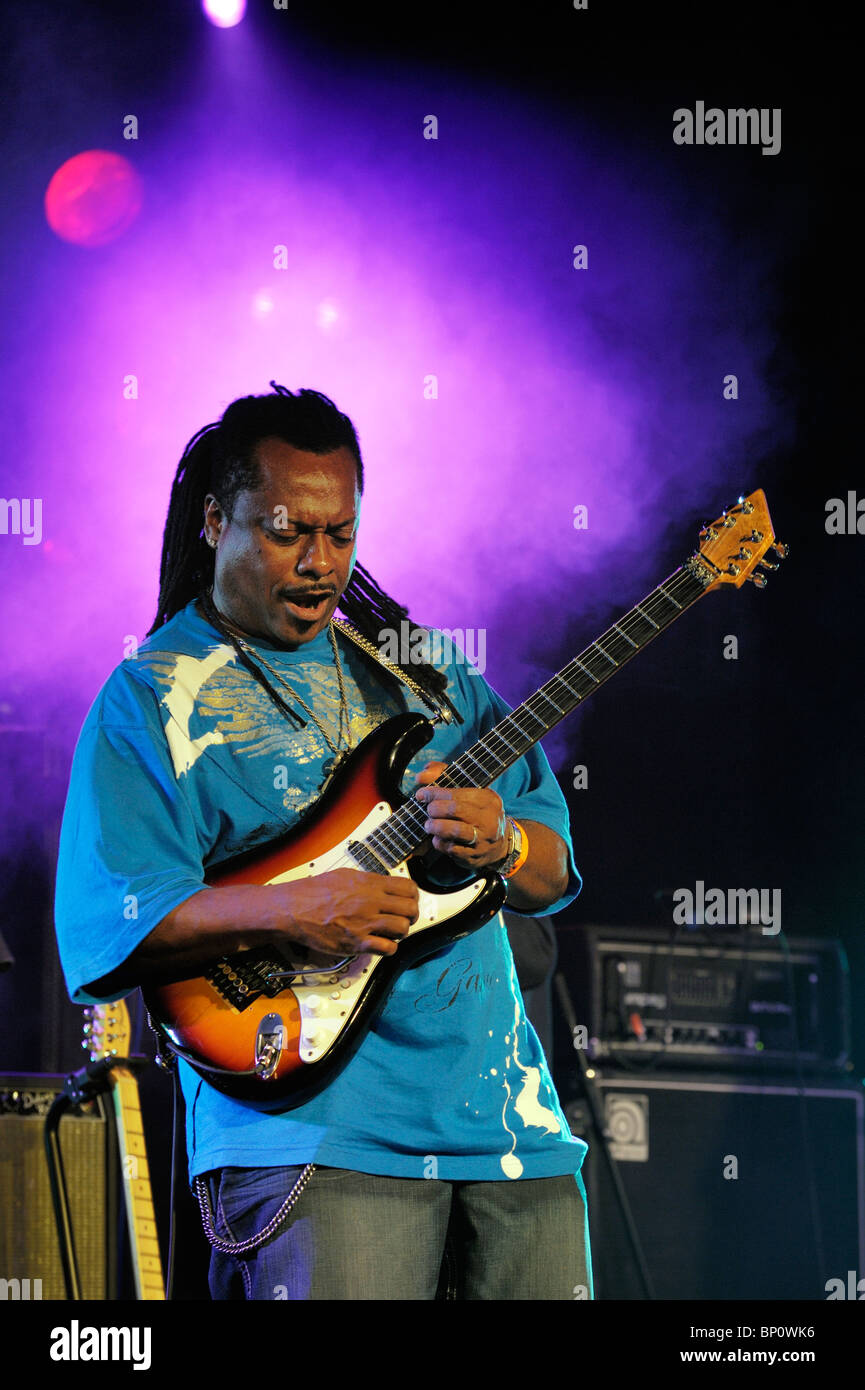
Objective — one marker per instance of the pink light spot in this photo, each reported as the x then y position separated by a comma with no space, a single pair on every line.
93,198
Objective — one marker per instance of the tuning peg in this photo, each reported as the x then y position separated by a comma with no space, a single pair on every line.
767,564
747,507
758,579
781,550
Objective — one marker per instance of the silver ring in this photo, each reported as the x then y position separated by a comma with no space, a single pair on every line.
473,841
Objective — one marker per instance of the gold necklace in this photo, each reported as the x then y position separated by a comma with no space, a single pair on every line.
343,698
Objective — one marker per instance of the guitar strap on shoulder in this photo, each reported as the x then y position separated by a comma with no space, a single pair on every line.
442,707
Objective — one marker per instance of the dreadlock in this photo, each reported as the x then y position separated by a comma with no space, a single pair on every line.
220,459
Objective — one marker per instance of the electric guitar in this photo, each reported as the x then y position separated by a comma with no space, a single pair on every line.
107,1034
274,1032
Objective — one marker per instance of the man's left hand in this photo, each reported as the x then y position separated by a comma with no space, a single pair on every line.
467,823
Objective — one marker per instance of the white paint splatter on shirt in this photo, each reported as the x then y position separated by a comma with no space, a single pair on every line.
527,1104
184,687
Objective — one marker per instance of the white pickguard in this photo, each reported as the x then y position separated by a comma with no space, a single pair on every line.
327,998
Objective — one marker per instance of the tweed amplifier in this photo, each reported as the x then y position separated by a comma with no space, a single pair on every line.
30,1266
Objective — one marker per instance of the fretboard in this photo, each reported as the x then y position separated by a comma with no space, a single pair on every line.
397,837
146,1259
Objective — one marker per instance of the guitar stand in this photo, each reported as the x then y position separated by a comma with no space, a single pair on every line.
79,1087
590,1091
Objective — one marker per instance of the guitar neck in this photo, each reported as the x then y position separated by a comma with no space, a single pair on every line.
526,725
146,1260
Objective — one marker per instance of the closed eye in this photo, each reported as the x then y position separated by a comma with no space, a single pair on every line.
292,537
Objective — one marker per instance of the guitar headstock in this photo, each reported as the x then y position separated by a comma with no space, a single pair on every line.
107,1032
736,543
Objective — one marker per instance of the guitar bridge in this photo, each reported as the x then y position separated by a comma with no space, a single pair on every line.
243,979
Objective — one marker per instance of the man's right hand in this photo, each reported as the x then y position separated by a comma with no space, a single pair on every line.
347,912
344,913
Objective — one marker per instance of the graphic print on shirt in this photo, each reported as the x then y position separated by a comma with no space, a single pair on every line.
213,700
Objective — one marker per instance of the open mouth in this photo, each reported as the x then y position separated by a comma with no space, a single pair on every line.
309,607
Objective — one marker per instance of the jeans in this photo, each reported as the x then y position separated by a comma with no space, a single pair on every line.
359,1236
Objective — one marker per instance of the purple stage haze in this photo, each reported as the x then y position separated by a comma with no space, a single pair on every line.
406,258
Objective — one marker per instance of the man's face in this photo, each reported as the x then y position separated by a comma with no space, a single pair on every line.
284,558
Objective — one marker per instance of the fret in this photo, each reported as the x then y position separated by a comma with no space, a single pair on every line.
364,855
626,637
448,777
576,694
639,610
611,659
470,759
587,671
497,732
661,590
549,700
524,709
394,830
393,851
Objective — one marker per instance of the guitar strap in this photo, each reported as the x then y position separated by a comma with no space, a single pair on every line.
441,705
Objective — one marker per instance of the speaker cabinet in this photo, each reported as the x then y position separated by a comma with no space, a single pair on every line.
738,1188
29,1250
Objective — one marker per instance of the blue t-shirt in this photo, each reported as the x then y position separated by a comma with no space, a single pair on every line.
184,761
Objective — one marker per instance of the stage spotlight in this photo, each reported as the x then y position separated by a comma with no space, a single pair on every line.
93,198
262,304
224,13
327,314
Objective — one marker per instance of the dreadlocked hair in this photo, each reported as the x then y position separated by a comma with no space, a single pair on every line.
220,460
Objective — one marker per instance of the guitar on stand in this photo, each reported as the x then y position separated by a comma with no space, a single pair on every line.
107,1036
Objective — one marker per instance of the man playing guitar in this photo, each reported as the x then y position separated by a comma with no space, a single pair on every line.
442,1130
